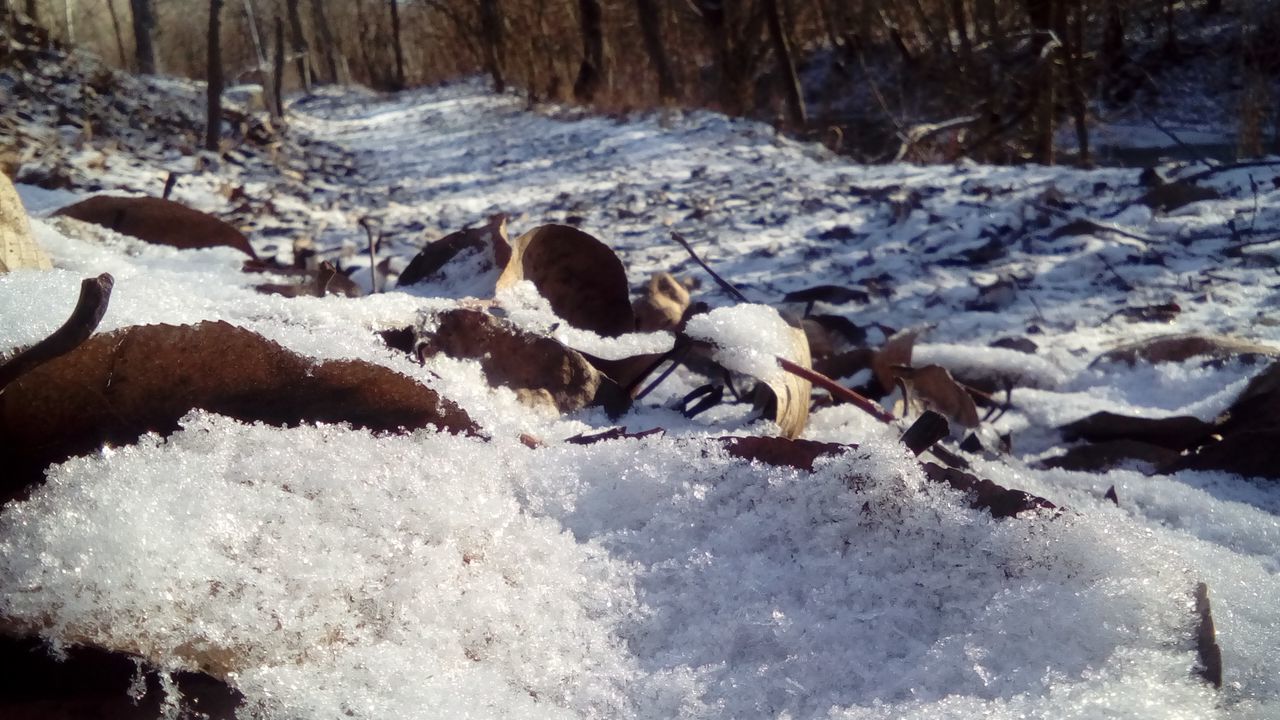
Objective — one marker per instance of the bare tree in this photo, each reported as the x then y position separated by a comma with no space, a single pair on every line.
213,115
591,71
328,48
144,23
277,73
115,26
399,81
299,45
651,30
491,30
786,65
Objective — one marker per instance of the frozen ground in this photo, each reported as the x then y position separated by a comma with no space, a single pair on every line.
331,572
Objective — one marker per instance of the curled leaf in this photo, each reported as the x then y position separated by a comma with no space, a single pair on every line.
159,221
1178,348
895,353
17,248
119,385
540,370
581,277
490,237
934,388
662,305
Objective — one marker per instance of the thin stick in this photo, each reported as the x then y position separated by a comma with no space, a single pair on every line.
95,293
373,254
836,389
724,284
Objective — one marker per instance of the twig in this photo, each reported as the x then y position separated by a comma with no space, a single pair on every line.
836,389
1124,284
1216,169
724,284
95,293
373,254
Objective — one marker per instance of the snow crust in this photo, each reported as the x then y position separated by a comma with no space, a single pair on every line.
327,572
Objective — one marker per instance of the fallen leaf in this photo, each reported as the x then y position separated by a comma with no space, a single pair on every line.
581,277
1177,433
119,385
1178,348
490,237
1001,502
831,334
539,369
782,451
895,352
783,397
88,681
1173,195
662,305
934,387
830,294
158,221
325,280
18,249
1095,457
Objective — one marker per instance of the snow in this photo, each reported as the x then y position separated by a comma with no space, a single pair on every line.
325,571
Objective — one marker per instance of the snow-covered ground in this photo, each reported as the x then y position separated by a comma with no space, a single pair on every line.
333,572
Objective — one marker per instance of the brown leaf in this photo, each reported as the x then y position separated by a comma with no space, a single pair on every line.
783,397
580,277
1207,648
539,369
781,451
1095,457
1173,195
934,387
1000,501
831,334
119,385
17,248
846,363
491,237
663,304
896,352
1177,433
159,221
1251,453
1177,348
326,280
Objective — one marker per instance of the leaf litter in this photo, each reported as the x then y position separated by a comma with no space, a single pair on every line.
864,547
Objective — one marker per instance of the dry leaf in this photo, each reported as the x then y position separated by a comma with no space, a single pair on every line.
1177,348
1001,502
783,397
663,304
896,352
17,248
119,385
934,387
781,451
492,236
541,371
581,277
159,221
325,280
1177,433
1096,457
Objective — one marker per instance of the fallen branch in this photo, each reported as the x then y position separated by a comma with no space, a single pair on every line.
836,389
95,293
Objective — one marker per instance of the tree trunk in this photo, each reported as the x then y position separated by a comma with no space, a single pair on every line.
213,114
1040,14
32,11
399,83
591,71
327,46
651,31
144,23
491,32
115,25
277,73
299,45
68,16
786,65
1074,48
961,20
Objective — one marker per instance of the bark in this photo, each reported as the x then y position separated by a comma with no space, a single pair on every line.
144,23
115,26
399,83
277,73
213,129
651,31
961,21
491,33
1073,51
32,11
328,49
591,71
786,65
1040,14
299,45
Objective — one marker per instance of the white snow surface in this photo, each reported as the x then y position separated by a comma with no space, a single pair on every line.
329,572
